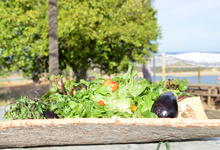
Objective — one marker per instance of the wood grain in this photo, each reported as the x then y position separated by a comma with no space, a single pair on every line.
28,133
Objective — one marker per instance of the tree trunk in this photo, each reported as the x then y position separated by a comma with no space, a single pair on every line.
53,40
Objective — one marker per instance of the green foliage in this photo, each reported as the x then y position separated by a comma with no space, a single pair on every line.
107,34
23,36
26,108
84,102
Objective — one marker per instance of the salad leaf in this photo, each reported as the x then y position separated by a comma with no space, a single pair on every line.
81,100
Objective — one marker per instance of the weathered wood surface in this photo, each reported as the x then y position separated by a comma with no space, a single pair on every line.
27,133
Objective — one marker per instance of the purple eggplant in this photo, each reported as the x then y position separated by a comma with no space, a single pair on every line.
50,115
166,106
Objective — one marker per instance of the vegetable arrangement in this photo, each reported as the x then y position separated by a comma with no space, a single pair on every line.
120,97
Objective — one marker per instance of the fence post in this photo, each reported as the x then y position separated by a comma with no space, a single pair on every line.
163,67
199,72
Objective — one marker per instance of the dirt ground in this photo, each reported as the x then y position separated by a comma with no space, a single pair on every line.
10,91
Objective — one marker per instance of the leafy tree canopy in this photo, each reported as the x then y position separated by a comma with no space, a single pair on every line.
106,34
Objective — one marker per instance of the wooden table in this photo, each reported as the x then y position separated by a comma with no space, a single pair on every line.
209,90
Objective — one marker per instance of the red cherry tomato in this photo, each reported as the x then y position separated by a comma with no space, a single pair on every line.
107,82
133,108
101,103
114,85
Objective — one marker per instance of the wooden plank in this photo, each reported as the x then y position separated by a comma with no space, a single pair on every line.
204,94
203,85
198,89
77,131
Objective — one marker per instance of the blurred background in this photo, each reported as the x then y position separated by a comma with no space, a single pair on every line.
170,39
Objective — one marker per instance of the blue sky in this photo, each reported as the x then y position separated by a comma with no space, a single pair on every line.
189,25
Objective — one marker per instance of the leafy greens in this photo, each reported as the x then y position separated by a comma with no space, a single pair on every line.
73,100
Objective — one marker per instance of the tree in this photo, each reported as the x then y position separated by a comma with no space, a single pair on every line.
24,37
53,40
107,34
